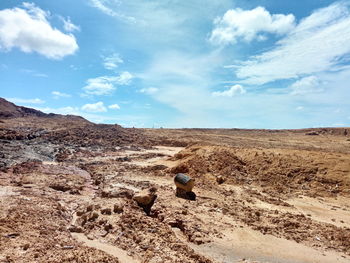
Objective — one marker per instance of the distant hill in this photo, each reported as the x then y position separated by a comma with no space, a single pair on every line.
11,110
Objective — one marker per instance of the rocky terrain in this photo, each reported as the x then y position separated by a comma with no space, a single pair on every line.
68,187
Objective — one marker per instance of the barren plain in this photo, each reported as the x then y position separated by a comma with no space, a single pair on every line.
67,187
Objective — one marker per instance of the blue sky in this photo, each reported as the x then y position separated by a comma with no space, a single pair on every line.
199,63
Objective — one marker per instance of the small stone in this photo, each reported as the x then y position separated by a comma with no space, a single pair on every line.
106,211
25,246
220,179
75,229
93,216
89,208
108,227
67,247
80,212
118,208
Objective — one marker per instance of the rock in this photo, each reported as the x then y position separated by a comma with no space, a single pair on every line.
75,229
108,227
25,246
89,208
93,216
106,211
67,247
118,208
220,179
80,212
146,199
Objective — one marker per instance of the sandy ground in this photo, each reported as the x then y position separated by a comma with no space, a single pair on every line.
281,199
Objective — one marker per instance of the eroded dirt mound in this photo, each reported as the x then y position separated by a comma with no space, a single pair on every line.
283,172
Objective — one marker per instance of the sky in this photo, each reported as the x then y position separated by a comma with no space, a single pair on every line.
180,64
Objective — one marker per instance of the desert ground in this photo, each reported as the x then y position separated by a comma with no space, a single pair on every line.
67,189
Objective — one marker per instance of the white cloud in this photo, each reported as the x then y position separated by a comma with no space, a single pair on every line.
112,62
306,85
125,120
102,6
63,110
57,94
28,101
28,29
299,108
68,25
124,78
183,81
339,125
105,85
35,73
94,107
150,90
248,25
99,86
114,107
317,44
234,90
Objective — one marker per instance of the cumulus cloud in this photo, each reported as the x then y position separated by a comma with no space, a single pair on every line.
249,25
99,86
94,107
57,95
234,90
150,90
306,85
318,43
114,107
124,78
26,101
28,29
112,62
105,85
